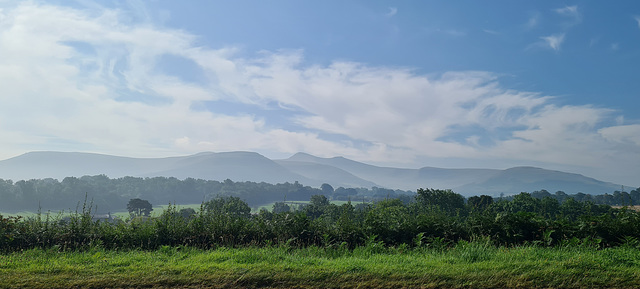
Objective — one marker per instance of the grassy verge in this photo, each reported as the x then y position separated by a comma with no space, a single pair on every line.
466,265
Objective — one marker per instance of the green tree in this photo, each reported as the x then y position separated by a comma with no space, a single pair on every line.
280,207
327,189
541,194
524,202
445,200
390,221
231,206
317,206
139,207
480,202
319,200
187,213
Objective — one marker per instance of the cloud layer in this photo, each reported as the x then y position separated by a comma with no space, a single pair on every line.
94,80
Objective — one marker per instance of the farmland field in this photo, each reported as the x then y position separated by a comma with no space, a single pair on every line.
269,206
635,208
157,209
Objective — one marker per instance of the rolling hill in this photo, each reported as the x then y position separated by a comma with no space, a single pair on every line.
304,168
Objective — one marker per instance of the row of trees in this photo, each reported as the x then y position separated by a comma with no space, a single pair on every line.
113,194
617,198
432,218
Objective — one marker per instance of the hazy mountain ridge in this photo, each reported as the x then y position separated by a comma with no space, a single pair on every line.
320,172
237,166
531,178
304,168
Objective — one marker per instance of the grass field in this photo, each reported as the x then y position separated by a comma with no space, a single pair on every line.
269,206
635,208
157,210
467,265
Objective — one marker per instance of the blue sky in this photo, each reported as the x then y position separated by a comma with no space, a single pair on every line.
488,84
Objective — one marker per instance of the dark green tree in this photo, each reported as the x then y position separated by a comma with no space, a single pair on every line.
446,200
231,206
319,200
139,207
635,196
280,207
390,221
327,189
480,202
523,202
541,194
187,213
317,206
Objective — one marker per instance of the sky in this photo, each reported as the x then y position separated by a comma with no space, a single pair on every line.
455,84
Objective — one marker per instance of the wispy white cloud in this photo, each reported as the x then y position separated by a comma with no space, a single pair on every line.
637,20
97,86
392,12
553,41
571,11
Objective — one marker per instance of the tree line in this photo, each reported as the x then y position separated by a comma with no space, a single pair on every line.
432,218
111,195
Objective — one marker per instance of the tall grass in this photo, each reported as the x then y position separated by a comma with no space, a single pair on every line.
467,264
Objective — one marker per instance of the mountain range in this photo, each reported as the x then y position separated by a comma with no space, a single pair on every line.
303,168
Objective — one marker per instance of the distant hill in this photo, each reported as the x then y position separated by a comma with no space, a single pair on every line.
528,179
58,165
326,174
304,168
397,178
237,166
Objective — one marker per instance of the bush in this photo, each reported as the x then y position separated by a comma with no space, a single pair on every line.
226,221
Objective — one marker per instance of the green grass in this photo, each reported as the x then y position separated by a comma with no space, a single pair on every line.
157,211
51,213
25,214
468,265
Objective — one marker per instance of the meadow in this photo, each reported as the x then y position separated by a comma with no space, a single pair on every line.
465,265
294,204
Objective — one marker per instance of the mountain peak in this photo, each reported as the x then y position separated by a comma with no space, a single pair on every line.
300,156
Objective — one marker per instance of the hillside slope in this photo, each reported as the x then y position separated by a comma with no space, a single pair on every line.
301,167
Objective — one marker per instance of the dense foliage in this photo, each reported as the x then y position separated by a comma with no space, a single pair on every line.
110,195
139,207
435,218
113,194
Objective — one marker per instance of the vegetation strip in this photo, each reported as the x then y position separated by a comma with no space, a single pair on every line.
438,218
472,264
435,241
